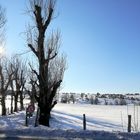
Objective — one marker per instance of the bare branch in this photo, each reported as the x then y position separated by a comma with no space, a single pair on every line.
38,16
2,17
49,17
55,87
48,59
54,103
36,98
33,49
9,80
34,71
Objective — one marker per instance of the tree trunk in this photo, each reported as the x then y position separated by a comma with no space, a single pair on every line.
16,101
44,116
21,101
3,106
11,103
45,111
32,97
32,100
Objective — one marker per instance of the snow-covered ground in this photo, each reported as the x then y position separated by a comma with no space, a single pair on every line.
103,122
99,117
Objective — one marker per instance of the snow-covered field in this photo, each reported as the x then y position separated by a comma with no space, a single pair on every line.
99,117
103,122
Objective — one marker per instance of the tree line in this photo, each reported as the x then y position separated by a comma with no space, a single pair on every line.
99,99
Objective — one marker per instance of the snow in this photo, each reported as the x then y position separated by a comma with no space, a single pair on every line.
99,117
103,122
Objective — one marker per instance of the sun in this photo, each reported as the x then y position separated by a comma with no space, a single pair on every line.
1,51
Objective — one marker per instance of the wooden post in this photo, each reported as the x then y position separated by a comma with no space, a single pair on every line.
129,123
36,119
26,119
84,122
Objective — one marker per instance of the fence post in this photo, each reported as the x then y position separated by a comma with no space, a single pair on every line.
129,123
84,122
36,119
26,119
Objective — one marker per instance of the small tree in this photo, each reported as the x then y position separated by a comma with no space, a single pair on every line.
72,97
122,102
96,100
92,99
117,101
65,98
106,103
82,95
98,94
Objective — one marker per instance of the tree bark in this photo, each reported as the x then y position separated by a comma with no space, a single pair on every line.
21,101
3,106
44,115
15,103
11,103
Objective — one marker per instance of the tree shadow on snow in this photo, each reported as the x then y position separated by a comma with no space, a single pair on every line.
15,121
70,121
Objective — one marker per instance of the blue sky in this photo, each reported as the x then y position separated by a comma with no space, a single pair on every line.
100,37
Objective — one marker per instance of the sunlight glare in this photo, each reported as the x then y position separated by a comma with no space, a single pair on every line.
2,51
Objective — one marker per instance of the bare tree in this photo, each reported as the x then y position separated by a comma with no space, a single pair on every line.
5,79
19,69
12,96
51,66
2,23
